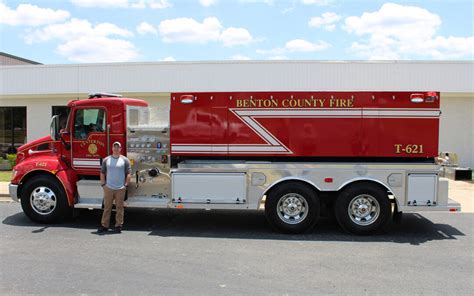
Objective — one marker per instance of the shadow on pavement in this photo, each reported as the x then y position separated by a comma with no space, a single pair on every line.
413,229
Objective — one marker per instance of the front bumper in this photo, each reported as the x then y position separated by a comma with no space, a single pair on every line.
13,191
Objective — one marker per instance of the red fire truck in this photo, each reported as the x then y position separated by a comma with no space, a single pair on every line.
366,156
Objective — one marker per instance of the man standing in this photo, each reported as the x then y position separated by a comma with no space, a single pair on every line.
114,179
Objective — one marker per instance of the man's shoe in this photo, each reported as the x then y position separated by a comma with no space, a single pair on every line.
118,229
102,229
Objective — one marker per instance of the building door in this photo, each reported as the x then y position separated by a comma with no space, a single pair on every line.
12,129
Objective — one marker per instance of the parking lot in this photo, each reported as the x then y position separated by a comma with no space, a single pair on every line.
232,252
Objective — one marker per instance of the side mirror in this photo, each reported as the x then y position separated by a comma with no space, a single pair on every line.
53,130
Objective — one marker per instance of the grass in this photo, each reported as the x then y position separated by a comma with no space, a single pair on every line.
5,176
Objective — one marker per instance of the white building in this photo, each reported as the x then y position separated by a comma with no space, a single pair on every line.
40,90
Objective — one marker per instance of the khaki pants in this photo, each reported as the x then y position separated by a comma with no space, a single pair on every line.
109,196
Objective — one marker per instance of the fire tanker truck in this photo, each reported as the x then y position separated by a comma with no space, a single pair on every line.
366,156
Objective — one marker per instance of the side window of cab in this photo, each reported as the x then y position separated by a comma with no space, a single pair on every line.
88,121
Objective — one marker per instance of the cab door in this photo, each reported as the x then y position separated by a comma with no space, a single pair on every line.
89,139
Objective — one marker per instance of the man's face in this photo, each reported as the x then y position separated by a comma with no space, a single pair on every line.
116,149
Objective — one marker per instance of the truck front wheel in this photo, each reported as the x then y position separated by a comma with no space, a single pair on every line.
363,208
292,208
43,200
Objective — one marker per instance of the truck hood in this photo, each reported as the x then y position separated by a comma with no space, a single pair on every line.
24,148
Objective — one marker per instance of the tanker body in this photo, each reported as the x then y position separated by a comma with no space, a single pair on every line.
366,156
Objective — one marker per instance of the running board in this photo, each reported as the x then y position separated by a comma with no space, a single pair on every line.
131,202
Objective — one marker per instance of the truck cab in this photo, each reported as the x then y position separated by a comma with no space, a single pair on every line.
47,170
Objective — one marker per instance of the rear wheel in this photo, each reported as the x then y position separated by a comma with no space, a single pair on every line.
43,200
363,208
292,208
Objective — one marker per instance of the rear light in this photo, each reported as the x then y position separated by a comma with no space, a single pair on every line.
187,99
417,98
328,180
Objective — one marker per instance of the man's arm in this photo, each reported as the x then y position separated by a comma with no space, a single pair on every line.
128,171
102,179
127,179
103,171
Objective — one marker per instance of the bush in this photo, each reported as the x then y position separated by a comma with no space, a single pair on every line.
11,159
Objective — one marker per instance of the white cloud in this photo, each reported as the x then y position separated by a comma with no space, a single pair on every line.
267,2
188,30
399,32
278,57
239,57
138,4
101,3
207,3
145,28
31,15
168,59
97,49
80,41
159,4
327,20
73,29
235,36
300,45
296,45
316,2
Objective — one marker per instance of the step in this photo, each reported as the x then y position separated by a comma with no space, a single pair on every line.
131,202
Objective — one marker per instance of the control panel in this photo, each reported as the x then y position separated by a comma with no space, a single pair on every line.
148,151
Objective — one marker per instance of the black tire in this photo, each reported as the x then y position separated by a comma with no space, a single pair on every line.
305,196
45,213
369,197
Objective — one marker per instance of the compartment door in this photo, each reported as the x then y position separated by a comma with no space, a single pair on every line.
422,189
209,188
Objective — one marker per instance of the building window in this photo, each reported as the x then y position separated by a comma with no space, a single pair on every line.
63,112
12,129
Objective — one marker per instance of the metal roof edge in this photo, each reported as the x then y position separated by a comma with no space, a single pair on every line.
243,62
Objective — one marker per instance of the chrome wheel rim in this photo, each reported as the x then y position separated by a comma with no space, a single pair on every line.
364,209
43,200
292,208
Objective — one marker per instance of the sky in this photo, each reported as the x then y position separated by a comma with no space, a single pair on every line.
101,31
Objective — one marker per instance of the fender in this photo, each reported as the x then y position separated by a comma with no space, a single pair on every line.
285,179
68,179
47,164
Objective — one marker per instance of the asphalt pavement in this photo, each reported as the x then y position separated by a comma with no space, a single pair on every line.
173,252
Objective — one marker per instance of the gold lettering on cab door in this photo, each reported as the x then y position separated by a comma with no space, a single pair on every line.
296,103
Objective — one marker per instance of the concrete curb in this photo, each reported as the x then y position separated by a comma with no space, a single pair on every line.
4,190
